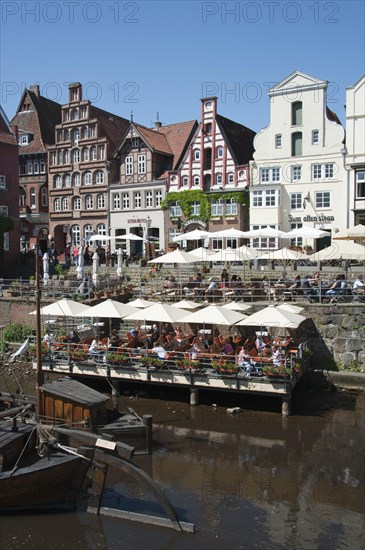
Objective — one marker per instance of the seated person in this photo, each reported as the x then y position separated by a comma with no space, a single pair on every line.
335,287
277,356
296,283
75,338
308,290
358,287
196,348
113,340
96,348
211,287
227,347
132,337
245,362
48,338
259,343
160,350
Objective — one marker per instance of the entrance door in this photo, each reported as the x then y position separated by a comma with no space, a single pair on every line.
323,242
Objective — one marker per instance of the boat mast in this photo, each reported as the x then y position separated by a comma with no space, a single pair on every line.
40,375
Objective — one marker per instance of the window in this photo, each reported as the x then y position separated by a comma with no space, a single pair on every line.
58,182
275,174
66,156
22,197
85,132
6,241
101,230
158,198
135,142
278,141
77,203
85,153
360,184
88,232
83,112
53,158
67,180
149,199
264,242
315,137
76,179
257,198
67,135
137,200
296,201
195,208
76,156
270,197
23,140
76,136
4,210
75,114
129,166
141,164
100,201
29,167
59,157
175,210
296,144
218,178
267,198
174,233
2,182
323,199
116,201
92,130
270,175
220,152
296,173
75,235
57,205
196,181
216,208
86,178
89,202
65,203
66,116
298,241
101,152
185,181
230,178
196,154
231,208
42,166
44,196
208,128
99,177
94,153
36,166
296,113
322,171
125,201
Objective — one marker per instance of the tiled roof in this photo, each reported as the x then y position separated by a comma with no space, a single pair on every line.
112,126
156,140
39,121
239,139
178,137
6,135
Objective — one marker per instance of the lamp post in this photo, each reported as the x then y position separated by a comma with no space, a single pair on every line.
148,225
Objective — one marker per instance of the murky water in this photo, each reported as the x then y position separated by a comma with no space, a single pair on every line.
253,480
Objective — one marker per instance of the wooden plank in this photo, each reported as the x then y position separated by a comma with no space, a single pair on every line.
145,518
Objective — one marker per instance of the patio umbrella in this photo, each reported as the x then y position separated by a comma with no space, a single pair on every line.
80,264
95,276
215,315
204,254
236,306
355,233
290,307
248,253
140,303
45,268
120,262
130,237
62,308
100,238
340,250
195,235
269,232
273,316
227,255
175,257
160,313
110,309
187,304
306,233
231,233
283,254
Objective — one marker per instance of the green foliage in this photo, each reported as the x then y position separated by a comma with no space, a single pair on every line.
352,366
15,332
60,270
4,348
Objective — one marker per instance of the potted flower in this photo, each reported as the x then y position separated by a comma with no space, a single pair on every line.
117,358
78,355
224,367
186,364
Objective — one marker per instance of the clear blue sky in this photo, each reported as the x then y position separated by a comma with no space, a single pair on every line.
149,56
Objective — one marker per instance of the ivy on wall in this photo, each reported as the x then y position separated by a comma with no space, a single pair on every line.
186,198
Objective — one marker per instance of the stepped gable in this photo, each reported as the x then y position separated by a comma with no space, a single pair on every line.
238,138
39,121
6,135
112,126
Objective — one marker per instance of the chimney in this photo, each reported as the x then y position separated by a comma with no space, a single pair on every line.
35,89
157,123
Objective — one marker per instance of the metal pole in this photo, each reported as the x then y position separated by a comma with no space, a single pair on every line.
40,375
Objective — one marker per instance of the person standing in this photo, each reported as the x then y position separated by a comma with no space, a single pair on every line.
76,255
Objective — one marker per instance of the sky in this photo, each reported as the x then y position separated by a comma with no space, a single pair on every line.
163,56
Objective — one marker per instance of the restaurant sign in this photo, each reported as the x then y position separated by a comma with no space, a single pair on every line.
195,220
309,218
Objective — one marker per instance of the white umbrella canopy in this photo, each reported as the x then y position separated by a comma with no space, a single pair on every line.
80,264
175,257
45,269
306,233
272,316
354,233
120,262
227,255
130,237
63,308
160,313
231,233
248,253
140,303
282,254
215,315
290,307
187,304
340,250
95,268
203,254
265,232
108,308
237,306
100,238
195,235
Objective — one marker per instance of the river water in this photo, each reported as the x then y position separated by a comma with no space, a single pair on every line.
252,480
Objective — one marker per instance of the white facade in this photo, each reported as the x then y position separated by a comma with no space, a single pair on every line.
355,144
297,176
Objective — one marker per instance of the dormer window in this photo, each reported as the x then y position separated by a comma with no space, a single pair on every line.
24,139
135,142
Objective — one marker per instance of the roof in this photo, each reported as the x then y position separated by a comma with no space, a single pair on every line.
178,137
238,138
111,126
39,121
74,391
156,140
6,135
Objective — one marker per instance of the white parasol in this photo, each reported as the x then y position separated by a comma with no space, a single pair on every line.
231,233
100,238
355,233
175,257
195,235
273,316
120,262
340,250
45,268
160,313
109,309
62,308
95,276
202,253
187,304
140,303
80,264
306,233
215,315
237,306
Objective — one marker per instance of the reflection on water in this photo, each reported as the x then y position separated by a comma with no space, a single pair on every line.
253,480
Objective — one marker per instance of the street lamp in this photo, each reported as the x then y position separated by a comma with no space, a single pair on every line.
148,225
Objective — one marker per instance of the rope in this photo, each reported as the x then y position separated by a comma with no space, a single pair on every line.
71,451
21,454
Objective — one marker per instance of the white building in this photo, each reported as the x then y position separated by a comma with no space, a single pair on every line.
355,160
298,176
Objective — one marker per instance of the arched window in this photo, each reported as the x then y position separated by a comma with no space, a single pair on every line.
85,132
67,135
76,135
59,157
77,203
58,182
76,179
296,113
67,180
85,153
88,232
89,202
75,114
296,144
57,205
33,198
76,156
76,235
86,178
196,181
65,203
99,177
101,200
66,156
22,197
94,153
